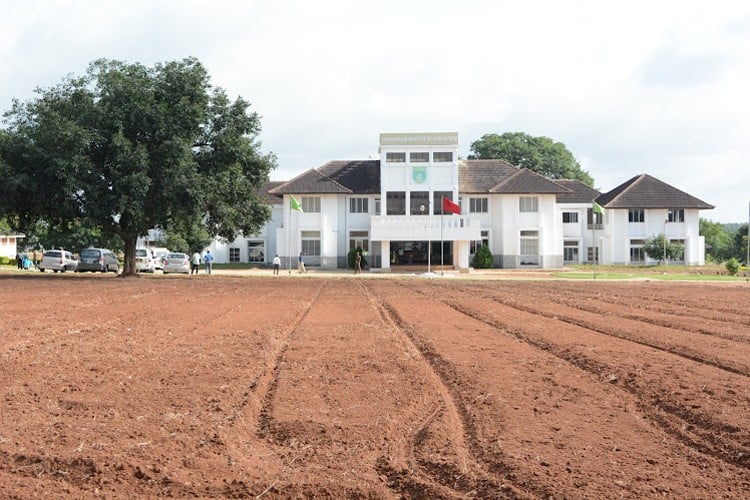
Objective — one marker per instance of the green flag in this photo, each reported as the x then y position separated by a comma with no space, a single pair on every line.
295,205
598,208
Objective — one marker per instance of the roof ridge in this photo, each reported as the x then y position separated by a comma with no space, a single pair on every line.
328,177
629,184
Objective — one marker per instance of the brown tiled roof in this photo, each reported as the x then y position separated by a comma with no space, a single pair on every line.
266,195
579,192
644,191
527,181
479,176
500,177
344,177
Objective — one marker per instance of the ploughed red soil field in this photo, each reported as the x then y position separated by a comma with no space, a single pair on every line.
398,387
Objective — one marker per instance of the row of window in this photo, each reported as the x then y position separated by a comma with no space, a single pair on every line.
419,204
635,215
419,157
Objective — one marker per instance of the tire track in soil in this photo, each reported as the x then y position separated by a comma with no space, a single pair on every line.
675,420
676,308
83,472
497,475
680,351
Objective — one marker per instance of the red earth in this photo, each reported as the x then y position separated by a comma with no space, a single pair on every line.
372,387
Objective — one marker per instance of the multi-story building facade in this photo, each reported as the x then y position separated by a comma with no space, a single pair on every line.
392,208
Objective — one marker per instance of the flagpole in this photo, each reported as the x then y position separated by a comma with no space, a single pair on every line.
289,237
442,212
429,233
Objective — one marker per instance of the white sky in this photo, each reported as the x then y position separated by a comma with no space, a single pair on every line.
657,87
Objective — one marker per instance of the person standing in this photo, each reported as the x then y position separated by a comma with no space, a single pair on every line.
301,263
195,262
208,259
357,263
276,264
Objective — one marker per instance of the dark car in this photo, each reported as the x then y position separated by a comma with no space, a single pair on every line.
97,260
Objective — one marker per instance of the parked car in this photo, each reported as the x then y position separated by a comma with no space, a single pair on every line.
159,255
58,260
144,260
97,260
176,262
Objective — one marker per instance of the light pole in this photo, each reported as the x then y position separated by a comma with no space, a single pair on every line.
664,256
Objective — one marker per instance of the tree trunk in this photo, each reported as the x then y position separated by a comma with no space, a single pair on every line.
129,268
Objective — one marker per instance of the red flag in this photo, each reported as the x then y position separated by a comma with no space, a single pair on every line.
450,207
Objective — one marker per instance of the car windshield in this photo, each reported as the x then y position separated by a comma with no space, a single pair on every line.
87,254
53,254
176,256
141,252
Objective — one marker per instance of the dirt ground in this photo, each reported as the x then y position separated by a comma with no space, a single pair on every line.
394,387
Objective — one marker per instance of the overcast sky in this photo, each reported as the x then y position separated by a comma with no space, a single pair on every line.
657,87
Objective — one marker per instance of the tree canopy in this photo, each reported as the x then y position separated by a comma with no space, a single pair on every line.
540,154
126,148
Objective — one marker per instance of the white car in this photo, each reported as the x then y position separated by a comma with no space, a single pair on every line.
160,254
58,260
176,262
144,261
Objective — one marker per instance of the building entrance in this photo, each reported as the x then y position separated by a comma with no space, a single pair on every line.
410,253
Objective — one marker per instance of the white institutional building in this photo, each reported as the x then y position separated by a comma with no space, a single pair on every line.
392,208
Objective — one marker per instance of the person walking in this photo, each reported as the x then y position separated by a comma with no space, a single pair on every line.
301,263
195,262
208,259
276,264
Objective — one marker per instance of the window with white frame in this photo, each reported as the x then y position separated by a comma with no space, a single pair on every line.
358,205
529,245
636,215
437,200
442,156
256,251
377,206
234,254
419,203
311,243
475,244
478,205
637,255
419,157
570,217
592,254
592,216
528,204
570,251
395,203
676,215
310,204
359,239
395,157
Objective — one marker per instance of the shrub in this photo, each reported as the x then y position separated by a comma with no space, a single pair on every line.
4,260
483,258
733,266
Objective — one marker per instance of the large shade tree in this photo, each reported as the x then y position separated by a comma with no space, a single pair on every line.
126,148
540,154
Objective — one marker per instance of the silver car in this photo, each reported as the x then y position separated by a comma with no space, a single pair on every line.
58,260
97,260
176,262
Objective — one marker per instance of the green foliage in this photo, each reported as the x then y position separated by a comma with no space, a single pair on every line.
126,148
733,266
540,154
352,253
740,241
483,258
720,243
654,247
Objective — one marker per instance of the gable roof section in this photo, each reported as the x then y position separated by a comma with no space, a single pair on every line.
335,177
579,192
265,193
644,191
479,176
500,177
527,181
